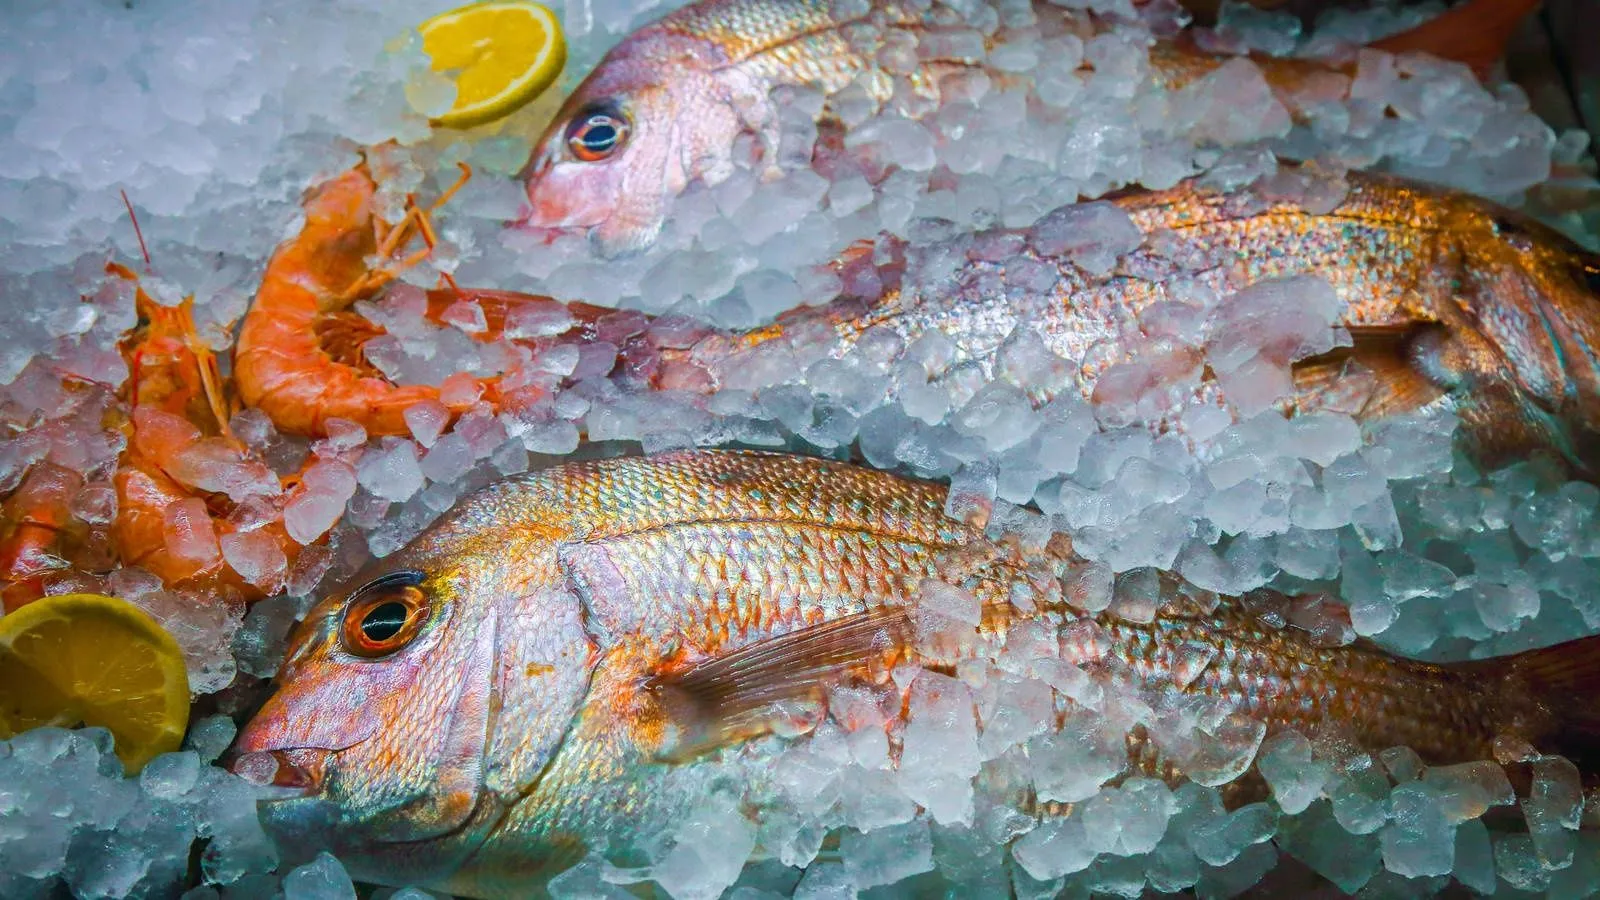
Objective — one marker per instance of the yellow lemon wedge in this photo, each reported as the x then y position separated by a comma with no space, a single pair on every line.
87,659
501,54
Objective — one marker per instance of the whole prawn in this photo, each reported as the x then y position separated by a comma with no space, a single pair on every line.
298,357
174,515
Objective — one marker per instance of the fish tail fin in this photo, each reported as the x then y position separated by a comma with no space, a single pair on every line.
1474,33
1566,677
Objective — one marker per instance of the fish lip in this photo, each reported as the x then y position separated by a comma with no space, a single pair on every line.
297,773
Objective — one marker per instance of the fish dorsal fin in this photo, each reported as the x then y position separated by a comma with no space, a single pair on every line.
733,696
1372,378
1474,33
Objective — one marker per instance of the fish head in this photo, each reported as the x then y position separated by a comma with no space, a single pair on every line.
657,113
1531,341
383,733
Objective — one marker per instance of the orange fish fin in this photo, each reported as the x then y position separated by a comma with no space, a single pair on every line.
1372,378
734,696
1474,33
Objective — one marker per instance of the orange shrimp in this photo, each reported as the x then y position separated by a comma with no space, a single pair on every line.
37,521
167,478
298,356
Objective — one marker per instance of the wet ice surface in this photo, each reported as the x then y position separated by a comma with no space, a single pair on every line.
214,134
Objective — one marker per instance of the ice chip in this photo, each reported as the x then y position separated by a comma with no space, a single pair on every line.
710,849
1058,847
391,471
1294,774
427,420
170,775
319,501
189,531
1419,840
324,878
940,750
256,556
1553,810
210,736
1091,235
1128,820
887,855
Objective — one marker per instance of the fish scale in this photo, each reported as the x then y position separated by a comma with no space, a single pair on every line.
656,616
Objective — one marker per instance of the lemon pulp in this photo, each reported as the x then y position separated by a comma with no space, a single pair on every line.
500,54
88,659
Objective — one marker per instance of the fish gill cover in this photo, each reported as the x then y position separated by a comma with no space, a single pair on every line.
215,121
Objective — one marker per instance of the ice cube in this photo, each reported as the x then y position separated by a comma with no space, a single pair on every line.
710,849
427,420
940,748
391,471
1059,846
189,531
1295,775
1128,820
210,736
1091,235
324,878
887,855
1419,840
170,775
319,501
256,556
448,459
1553,809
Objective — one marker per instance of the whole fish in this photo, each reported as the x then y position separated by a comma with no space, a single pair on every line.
562,662
1449,302
666,107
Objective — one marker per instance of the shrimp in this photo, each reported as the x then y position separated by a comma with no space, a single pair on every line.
186,486
37,523
298,357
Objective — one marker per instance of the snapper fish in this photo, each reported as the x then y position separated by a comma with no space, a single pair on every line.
668,105
568,659
1151,302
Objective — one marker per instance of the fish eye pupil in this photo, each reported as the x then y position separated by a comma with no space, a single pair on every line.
384,621
599,136
595,135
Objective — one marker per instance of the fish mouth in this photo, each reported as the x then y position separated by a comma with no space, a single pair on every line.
287,774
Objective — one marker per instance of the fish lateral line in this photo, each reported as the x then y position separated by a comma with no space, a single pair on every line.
596,540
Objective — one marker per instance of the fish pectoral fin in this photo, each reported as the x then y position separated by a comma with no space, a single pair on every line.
740,694
1372,378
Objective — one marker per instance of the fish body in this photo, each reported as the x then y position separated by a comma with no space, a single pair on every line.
1444,301
667,106
571,658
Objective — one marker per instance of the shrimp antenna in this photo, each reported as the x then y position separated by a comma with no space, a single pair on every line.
137,232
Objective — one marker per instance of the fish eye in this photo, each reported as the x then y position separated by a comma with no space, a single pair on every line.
596,133
385,614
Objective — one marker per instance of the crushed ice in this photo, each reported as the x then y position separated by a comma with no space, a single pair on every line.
215,125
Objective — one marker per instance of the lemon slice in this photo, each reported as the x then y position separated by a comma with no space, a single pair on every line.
85,659
501,54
